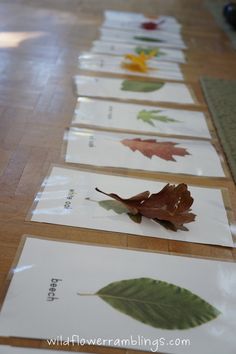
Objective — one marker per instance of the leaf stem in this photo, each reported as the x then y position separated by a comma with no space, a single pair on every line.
91,200
86,294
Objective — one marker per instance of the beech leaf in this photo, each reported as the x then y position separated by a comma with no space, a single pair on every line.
158,303
150,147
141,86
170,207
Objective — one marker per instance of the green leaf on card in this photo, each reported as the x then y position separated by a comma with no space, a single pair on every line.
114,205
141,86
158,304
118,208
147,39
136,218
149,50
150,116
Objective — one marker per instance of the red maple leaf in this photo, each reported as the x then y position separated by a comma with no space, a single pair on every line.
170,207
150,147
151,26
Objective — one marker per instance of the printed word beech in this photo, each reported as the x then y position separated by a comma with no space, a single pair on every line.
52,289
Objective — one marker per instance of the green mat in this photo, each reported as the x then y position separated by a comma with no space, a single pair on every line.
221,98
216,9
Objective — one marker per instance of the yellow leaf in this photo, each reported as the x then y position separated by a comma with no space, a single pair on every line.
134,67
138,62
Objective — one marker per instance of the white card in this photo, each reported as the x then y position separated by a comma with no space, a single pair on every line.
69,198
5,349
147,153
163,54
162,24
140,118
160,35
165,39
111,64
126,17
130,89
78,272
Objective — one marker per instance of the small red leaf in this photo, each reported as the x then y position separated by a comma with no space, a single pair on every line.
149,26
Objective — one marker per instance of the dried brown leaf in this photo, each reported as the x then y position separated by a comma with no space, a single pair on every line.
170,207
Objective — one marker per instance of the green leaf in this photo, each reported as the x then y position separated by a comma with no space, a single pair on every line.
149,116
114,205
149,50
147,39
119,208
136,218
158,303
165,119
141,86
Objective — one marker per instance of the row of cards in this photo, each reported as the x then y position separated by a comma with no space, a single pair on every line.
69,197
101,148
160,40
71,293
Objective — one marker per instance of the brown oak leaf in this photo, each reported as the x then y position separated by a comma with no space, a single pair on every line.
150,147
170,207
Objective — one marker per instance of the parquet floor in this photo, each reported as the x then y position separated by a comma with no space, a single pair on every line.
39,45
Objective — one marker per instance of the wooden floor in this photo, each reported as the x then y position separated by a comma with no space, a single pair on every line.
39,45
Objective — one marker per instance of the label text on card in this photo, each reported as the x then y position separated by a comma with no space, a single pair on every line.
52,289
70,196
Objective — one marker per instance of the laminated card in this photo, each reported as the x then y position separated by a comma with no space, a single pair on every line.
164,39
134,90
121,65
136,16
131,20
140,118
147,25
121,298
162,54
148,153
147,36
69,198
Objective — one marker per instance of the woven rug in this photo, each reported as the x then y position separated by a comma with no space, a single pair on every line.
221,98
216,9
